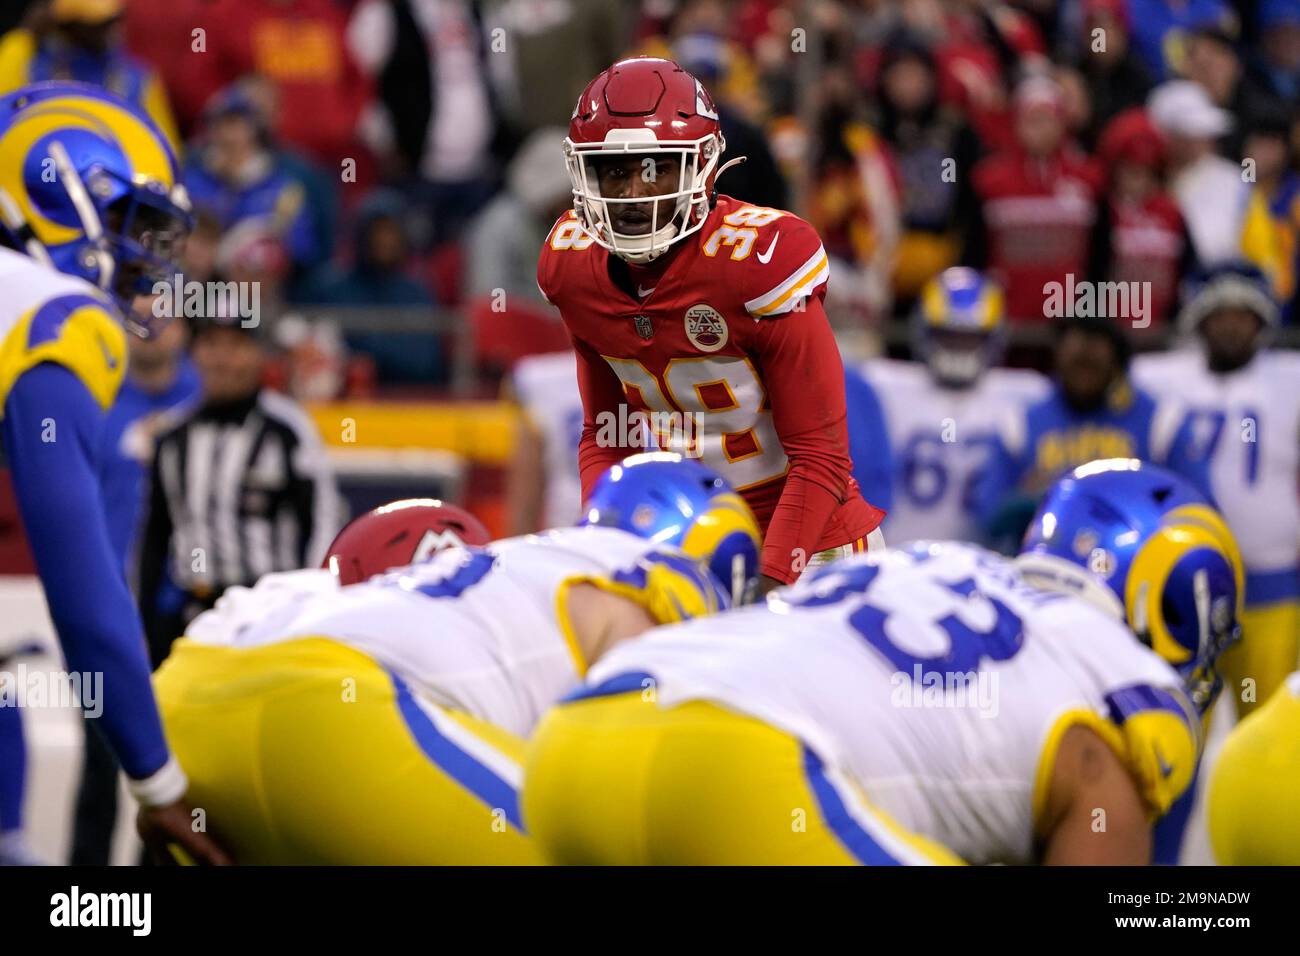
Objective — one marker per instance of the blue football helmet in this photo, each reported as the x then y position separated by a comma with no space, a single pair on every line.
666,498
1145,544
88,186
958,326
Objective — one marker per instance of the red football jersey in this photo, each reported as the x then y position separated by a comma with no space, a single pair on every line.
732,338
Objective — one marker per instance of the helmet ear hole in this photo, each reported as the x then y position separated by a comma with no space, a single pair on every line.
1172,615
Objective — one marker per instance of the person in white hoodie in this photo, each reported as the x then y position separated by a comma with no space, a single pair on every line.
1211,191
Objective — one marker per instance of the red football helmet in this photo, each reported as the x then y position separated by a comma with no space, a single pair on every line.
644,105
398,534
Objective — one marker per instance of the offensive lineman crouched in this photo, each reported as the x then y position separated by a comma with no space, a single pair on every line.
695,306
936,704
383,722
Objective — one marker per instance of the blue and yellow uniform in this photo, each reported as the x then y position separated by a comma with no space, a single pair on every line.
85,182
383,722
1242,430
1254,796
26,58
906,707
1038,444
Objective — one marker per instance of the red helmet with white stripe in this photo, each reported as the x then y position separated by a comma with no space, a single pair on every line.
398,534
644,106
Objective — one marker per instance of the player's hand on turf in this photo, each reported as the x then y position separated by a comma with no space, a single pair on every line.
168,833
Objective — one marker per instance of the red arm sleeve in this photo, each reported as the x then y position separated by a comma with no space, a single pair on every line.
601,392
801,366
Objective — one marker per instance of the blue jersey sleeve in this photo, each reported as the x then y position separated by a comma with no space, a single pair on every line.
50,439
13,769
1186,458
873,458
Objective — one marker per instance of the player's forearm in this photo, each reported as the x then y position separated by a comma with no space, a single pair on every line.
594,459
796,527
62,512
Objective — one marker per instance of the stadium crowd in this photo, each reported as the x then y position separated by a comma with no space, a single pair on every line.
406,152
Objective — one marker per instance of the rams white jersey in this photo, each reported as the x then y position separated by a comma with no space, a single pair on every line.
941,438
482,631
546,387
938,682
1247,425
47,316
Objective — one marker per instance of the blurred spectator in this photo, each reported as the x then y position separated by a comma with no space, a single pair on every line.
1276,66
503,241
241,486
1037,204
702,31
427,60
933,150
511,318
1076,105
1140,235
757,180
552,50
855,199
1211,191
298,46
378,276
985,46
82,40
1116,76
237,178
1272,233
315,358
172,36
199,262
1213,62
1161,27
160,379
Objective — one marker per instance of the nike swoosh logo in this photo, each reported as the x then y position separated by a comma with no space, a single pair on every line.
642,293
766,257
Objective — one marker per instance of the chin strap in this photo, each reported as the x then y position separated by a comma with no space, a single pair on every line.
727,165
713,194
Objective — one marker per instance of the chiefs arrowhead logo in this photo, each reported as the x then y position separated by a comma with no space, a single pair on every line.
706,328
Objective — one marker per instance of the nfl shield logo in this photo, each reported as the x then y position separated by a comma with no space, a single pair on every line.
643,326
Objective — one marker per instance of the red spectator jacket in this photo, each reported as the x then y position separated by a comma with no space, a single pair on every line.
1038,216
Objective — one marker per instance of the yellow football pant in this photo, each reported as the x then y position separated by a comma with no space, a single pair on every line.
1269,650
1254,799
620,780
310,752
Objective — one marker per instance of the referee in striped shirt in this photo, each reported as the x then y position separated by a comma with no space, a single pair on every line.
241,486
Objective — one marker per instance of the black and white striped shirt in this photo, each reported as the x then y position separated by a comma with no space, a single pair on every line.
238,491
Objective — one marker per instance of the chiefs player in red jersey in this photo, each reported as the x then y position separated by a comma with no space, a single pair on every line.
680,300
